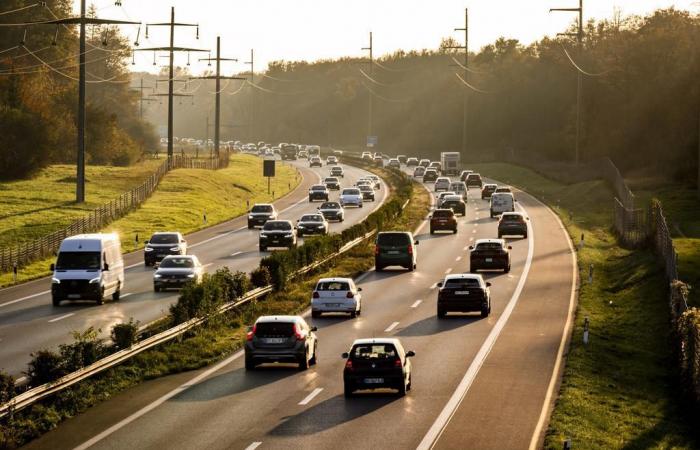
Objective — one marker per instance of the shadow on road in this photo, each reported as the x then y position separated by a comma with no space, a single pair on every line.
432,325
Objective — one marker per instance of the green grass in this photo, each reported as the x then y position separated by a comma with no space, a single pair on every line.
620,390
182,198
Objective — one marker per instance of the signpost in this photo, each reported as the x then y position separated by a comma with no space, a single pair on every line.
372,141
268,171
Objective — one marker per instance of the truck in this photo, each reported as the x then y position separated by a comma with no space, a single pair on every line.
288,152
314,150
450,163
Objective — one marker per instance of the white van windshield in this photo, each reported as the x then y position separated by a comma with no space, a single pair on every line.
78,261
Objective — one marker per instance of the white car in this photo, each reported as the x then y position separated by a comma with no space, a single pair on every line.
331,160
336,295
351,196
442,184
377,181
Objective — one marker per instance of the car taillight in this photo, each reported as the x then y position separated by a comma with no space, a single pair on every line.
350,295
298,334
316,295
398,363
250,334
348,365
376,249
410,249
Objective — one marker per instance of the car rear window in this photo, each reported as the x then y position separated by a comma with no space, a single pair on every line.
462,283
262,208
443,213
274,225
331,180
330,205
511,218
489,246
164,239
394,239
263,329
374,351
333,286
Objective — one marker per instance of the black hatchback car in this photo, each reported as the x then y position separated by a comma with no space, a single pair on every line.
395,248
489,254
281,339
512,224
463,293
430,175
318,192
375,364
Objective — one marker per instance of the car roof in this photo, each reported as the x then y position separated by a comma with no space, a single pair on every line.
444,209
382,340
280,318
490,241
490,185
180,256
263,204
463,276
165,232
332,279
443,179
279,221
452,197
395,232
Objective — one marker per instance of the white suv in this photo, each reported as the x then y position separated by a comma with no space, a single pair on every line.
336,295
351,196
442,184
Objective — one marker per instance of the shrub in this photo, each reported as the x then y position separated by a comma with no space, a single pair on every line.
199,300
260,277
45,366
7,387
86,349
124,334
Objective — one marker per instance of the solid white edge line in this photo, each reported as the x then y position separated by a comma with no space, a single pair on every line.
416,303
126,295
565,336
391,327
311,396
253,446
65,316
183,387
12,302
437,428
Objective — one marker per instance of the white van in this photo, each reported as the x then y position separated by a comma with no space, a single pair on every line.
88,267
459,188
502,202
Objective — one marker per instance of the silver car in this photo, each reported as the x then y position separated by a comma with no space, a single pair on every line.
336,295
442,184
312,224
351,196
177,270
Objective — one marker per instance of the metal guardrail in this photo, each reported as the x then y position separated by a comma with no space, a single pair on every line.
35,394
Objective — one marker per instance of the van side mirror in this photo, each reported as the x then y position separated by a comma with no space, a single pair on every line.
182,241
313,328
416,243
345,355
410,353
52,267
488,284
510,247
105,267
359,289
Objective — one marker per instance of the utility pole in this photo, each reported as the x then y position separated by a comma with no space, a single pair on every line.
465,97
142,99
251,125
171,49
579,76
82,21
369,93
218,78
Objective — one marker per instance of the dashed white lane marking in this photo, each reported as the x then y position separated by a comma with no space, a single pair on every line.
459,258
61,317
311,396
253,446
207,265
416,303
236,253
132,266
448,271
470,239
473,231
433,286
126,295
466,247
391,327
25,298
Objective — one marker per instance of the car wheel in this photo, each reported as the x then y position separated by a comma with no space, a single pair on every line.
441,313
360,205
117,293
313,359
353,314
300,234
524,235
473,269
304,361
454,231
101,299
410,382
249,364
250,226
379,268
156,289
432,231
55,301
402,390
341,219
485,310
263,248
507,269
499,235
411,268
348,390
315,314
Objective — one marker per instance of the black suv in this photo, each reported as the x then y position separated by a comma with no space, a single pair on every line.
474,180
332,183
261,213
455,203
285,339
277,233
487,190
489,254
463,293
512,223
443,219
430,175
375,364
395,248
163,244
318,192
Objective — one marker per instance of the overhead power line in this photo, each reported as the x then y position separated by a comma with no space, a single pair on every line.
468,69
70,77
278,79
473,88
21,9
372,79
389,69
577,67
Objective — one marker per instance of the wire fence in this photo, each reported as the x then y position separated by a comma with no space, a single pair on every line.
12,258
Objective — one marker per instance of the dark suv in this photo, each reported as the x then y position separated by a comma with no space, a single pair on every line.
285,339
463,293
489,254
430,175
375,364
395,248
487,190
163,244
443,219
455,203
512,223
474,180
277,233
318,192
261,213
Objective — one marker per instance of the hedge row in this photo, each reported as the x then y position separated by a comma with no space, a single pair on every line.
281,265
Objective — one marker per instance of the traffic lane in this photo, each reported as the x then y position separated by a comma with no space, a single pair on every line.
511,386
260,419
35,317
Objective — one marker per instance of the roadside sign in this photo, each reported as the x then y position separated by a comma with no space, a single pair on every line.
372,141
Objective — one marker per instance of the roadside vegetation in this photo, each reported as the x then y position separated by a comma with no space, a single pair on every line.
620,390
180,202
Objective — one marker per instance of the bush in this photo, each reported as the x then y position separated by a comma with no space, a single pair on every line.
44,367
86,349
260,277
199,300
233,284
7,387
124,334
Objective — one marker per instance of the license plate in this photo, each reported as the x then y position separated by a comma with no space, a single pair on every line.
273,340
489,259
462,292
393,252
332,305
374,380
73,295
172,281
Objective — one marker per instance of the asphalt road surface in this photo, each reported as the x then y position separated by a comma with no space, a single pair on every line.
477,383
29,322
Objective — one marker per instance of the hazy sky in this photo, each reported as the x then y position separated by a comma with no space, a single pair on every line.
315,29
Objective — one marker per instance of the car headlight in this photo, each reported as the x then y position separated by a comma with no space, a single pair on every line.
95,280
288,235
250,216
148,249
191,275
175,249
55,281
157,275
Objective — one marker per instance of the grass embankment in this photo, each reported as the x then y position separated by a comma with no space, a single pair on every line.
203,346
619,390
181,200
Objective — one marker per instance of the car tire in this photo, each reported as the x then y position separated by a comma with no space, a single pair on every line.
411,268
524,235
499,235
360,205
485,311
507,269
250,226
441,313
379,268
249,364
304,361
300,234
116,294
410,382
454,231
55,301
353,314
263,248
402,390
315,314
156,289
348,391
314,359
473,269
432,231
101,298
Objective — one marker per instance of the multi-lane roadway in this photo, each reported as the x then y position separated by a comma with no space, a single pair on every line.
477,383
29,322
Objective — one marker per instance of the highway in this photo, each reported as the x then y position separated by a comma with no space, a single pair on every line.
477,383
29,322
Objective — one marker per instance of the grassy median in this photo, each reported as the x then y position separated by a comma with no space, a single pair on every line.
619,391
182,200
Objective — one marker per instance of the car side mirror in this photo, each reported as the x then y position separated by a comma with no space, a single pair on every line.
314,328
510,247
527,218
359,289
439,284
345,355
410,354
146,242
416,243
471,247
106,267
182,241
515,200
52,267
488,284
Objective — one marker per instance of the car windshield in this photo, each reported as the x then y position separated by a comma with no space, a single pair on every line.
262,209
275,225
366,188
330,205
374,351
312,218
331,180
462,283
319,187
333,286
351,191
163,239
78,261
489,246
394,239
177,263
443,213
